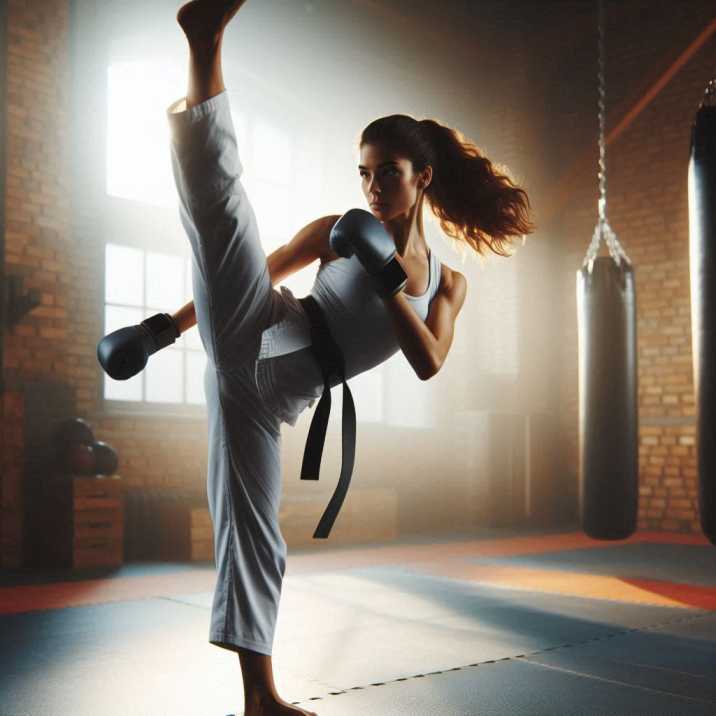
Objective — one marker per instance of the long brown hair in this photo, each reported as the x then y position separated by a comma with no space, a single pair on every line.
475,200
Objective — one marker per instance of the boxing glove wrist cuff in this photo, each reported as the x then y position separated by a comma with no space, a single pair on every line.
162,329
391,279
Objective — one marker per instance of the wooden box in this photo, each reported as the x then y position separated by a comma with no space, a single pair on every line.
84,522
185,533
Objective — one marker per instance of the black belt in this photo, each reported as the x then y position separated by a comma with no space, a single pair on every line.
330,359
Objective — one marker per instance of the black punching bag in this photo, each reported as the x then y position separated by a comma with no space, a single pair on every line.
608,409
702,264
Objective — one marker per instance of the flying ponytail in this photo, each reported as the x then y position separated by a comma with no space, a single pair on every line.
475,200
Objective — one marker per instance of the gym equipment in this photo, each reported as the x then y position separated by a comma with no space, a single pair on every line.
106,460
608,408
79,459
702,263
73,430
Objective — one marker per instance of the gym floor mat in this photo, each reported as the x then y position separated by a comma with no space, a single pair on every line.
492,623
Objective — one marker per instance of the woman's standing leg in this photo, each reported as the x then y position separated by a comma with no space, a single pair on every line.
203,22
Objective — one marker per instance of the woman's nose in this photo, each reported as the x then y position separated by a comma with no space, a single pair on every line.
374,188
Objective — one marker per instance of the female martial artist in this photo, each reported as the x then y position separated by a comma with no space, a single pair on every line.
260,368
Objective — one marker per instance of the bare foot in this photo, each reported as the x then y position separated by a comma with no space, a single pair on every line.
274,706
203,21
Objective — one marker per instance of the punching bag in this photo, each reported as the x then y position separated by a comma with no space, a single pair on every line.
608,409
702,265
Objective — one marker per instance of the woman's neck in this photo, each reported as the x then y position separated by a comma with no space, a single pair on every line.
407,235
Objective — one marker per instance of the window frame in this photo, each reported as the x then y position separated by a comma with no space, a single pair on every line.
114,406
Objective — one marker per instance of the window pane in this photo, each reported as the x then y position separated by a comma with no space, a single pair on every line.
273,205
271,156
240,122
117,317
190,338
165,281
308,193
123,389
195,365
188,289
193,339
138,141
123,275
164,376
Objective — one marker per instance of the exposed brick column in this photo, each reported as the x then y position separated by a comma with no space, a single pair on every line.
37,227
11,459
37,205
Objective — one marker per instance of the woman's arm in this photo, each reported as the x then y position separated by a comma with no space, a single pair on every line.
185,317
426,345
309,244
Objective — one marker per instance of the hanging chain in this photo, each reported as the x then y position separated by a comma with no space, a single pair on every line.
600,102
602,230
709,99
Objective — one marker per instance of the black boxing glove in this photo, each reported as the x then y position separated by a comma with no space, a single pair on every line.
359,232
124,352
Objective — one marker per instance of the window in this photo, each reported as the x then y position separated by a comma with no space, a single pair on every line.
138,156
390,393
138,284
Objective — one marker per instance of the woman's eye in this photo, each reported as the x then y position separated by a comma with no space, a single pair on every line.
391,169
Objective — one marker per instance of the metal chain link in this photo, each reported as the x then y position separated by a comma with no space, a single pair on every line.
602,230
709,99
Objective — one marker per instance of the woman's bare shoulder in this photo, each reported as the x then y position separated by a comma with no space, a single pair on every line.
449,278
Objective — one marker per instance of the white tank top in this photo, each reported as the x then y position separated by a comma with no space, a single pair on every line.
356,315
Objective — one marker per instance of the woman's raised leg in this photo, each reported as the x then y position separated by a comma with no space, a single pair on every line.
203,23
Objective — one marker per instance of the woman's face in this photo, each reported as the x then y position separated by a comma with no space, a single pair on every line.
387,181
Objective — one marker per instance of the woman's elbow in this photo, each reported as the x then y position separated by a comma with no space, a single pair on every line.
427,372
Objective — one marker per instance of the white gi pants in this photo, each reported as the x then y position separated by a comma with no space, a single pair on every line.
235,302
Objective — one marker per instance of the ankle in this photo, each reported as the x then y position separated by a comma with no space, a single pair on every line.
260,696
207,47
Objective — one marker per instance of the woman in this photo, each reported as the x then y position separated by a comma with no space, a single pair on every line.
260,371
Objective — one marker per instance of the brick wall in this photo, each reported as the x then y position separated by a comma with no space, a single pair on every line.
11,458
37,213
36,224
